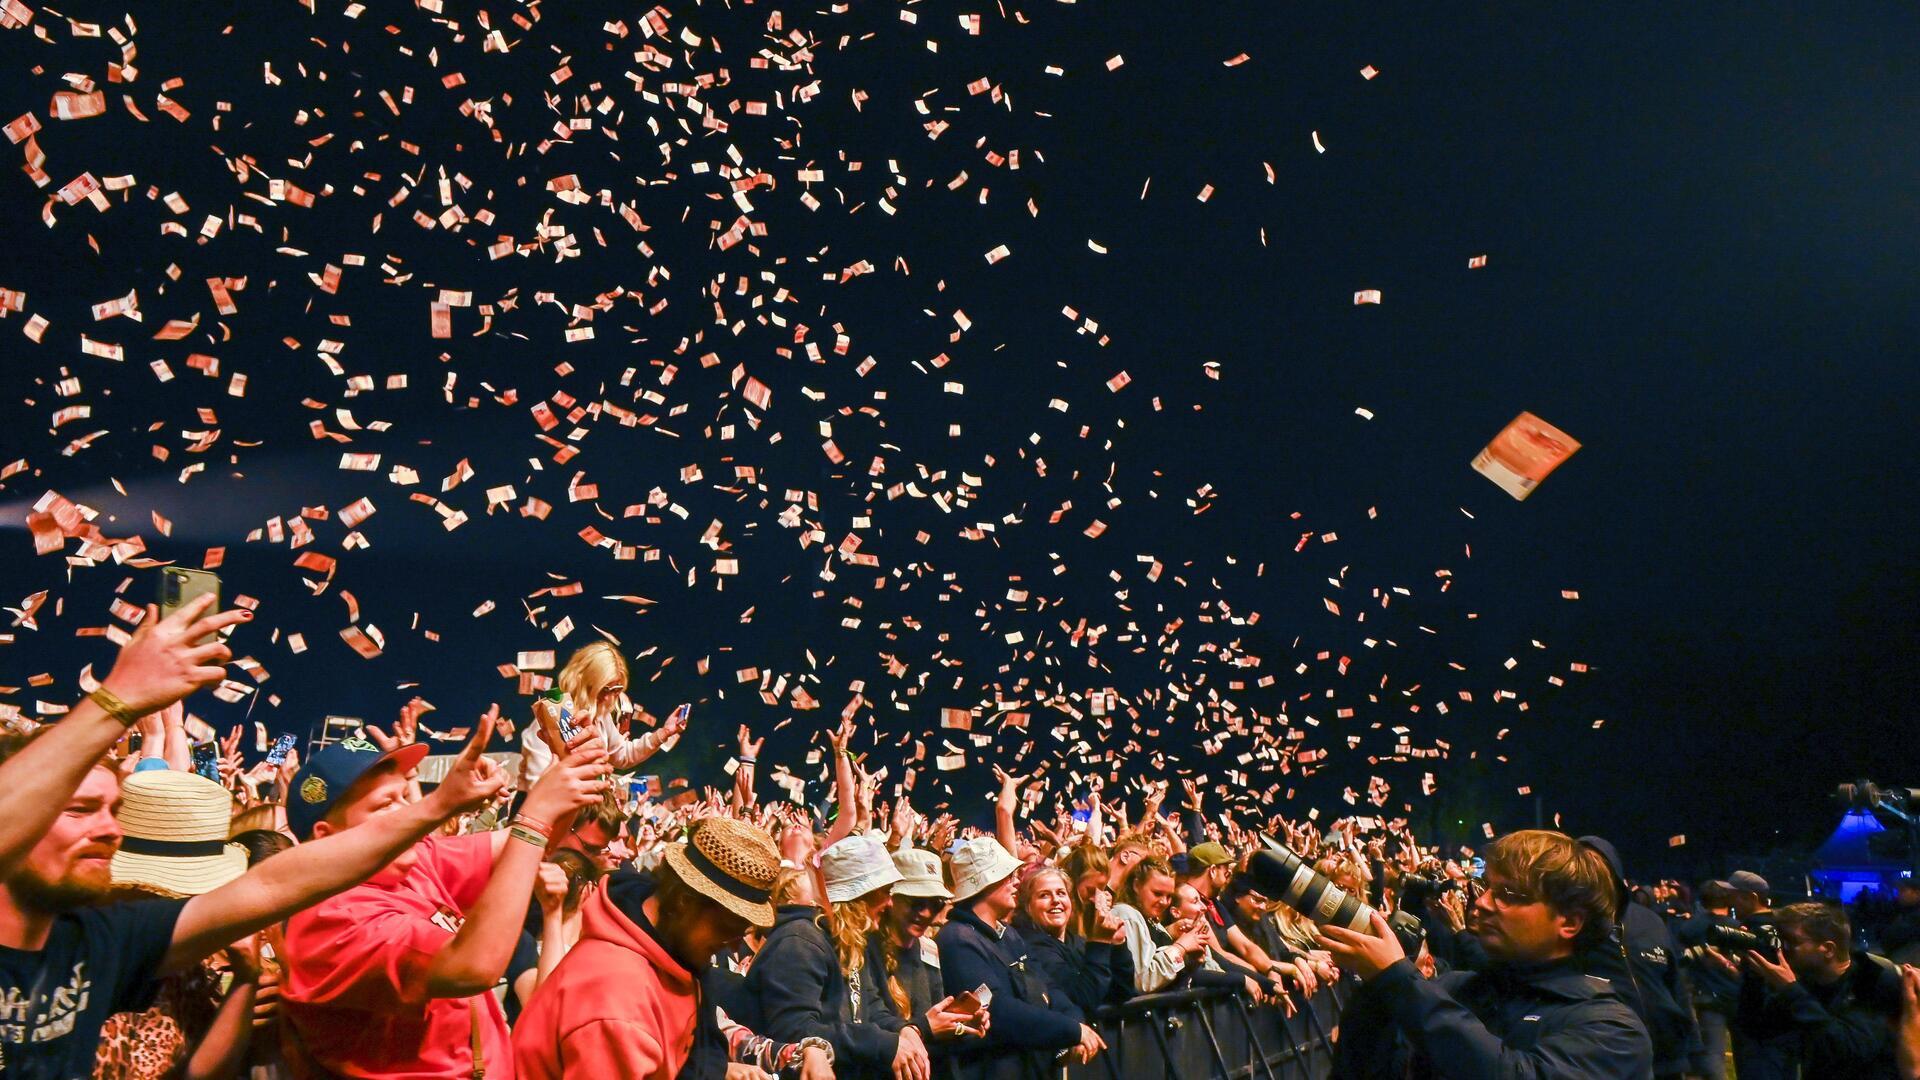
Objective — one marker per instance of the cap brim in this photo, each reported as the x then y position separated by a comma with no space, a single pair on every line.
760,915
932,889
408,757
179,877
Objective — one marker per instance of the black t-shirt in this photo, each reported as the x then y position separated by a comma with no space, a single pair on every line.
97,962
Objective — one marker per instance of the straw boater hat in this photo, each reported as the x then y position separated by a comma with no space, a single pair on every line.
731,863
176,835
919,874
978,865
854,867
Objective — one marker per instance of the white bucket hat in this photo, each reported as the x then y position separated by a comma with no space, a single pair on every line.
856,866
919,874
176,834
978,865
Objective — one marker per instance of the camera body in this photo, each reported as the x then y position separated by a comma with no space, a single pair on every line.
1417,890
1762,938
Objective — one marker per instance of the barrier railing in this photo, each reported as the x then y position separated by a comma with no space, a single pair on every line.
1214,1034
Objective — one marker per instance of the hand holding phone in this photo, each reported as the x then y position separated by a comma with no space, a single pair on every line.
281,748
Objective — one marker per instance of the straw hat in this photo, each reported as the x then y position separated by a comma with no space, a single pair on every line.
854,867
176,835
978,865
919,874
731,863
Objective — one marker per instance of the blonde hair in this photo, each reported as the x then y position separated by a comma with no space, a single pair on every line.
1032,885
1081,863
847,926
592,668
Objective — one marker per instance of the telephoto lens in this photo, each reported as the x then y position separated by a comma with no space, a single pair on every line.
1286,877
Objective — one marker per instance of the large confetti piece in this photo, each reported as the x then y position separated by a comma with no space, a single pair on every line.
1524,453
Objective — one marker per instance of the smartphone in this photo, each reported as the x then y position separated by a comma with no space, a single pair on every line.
180,586
281,748
972,1001
547,713
206,761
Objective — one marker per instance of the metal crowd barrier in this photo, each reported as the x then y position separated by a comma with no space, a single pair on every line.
1214,1034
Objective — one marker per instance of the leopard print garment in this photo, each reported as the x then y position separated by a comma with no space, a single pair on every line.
154,1044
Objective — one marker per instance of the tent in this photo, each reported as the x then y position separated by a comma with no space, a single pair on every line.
1846,864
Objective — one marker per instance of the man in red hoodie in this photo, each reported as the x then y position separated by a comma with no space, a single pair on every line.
623,1001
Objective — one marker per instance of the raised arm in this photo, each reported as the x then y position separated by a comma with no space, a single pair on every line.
1004,807
743,796
160,664
845,787
315,870
478,954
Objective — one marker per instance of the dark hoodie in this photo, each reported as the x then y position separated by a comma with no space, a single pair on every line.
1640,958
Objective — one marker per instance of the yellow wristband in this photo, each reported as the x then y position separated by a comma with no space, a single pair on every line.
113,706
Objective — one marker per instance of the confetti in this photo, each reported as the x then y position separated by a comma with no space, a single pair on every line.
1523,454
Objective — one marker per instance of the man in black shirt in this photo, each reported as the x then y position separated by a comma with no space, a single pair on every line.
1715,993
65,965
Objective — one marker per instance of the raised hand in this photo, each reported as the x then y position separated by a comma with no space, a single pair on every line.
749,746
577,780
550,889
841,737
474,778
165,661
675,723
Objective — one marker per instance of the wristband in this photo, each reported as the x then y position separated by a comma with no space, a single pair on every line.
521,832
113,706
745,760
533,825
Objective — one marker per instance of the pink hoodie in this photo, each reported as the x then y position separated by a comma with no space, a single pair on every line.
617,1006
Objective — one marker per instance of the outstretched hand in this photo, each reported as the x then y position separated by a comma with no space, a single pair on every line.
167,659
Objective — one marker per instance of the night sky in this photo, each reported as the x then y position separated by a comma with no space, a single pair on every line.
1699,225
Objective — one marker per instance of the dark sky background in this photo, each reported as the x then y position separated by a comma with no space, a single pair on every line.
1699,222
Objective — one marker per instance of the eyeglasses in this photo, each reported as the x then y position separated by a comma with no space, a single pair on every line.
1508,896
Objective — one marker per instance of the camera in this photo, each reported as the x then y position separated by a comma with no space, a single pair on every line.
1735,939
1287,878
1417,890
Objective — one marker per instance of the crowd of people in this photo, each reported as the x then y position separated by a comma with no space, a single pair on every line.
336,916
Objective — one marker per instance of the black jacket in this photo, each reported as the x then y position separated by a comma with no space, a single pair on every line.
800,991
1542,1022
1712,988
1091,973
1032,1020
1638,957
1839,1031
917,972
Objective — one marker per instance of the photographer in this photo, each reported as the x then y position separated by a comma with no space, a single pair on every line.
1840,1006
1715,993
1532,1013
1756,1058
